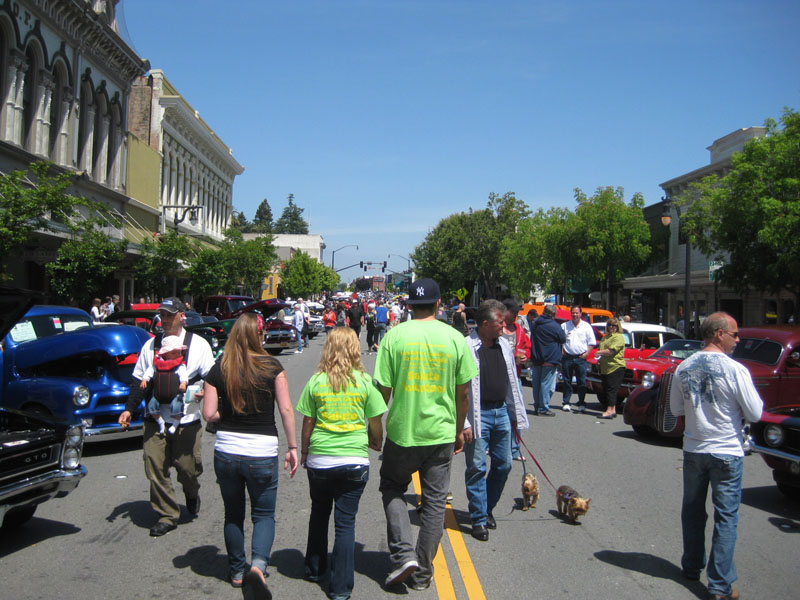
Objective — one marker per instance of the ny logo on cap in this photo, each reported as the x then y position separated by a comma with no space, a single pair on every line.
420,291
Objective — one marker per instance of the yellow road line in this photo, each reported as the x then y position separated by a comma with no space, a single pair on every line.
441,572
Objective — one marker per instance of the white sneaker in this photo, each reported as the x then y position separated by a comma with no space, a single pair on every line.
400,574
298,351
566,408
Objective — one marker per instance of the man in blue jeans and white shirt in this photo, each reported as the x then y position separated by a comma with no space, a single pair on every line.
580,341
715,394
494,393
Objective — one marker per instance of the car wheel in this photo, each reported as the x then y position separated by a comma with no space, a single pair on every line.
274,351
789,491
18,516
644,431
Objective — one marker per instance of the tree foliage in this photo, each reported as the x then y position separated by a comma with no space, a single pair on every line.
753,213
160,260
39,202
262,221
83,265
291,220
239,222
301,275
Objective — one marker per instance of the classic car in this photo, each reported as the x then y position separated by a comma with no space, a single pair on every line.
777,438
641,340
39,459
225,307
278,335
214,332
57,364
769,352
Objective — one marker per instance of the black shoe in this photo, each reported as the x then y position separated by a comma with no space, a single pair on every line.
193,505
490,522
162,528
419,586
479,532
546,413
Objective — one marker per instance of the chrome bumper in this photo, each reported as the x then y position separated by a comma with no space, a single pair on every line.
773,452
35,490
106,434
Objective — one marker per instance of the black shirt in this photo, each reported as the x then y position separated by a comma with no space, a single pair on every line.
260,422
494,374
354,313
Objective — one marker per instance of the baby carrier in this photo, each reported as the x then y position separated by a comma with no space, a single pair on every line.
165,381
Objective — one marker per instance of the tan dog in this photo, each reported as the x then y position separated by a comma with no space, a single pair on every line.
571,504
530,491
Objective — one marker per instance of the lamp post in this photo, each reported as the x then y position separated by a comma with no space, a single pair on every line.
333,253
188,209
404,258
666,219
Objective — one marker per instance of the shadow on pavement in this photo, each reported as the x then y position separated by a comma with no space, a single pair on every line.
785,525
31,533
139,512
131,444
654,440
654,566
769,499
206,561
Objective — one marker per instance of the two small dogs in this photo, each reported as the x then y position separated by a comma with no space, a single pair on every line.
568,500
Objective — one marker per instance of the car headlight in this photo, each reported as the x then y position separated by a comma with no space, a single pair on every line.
214,343
73,448
648,379
774,435
81,396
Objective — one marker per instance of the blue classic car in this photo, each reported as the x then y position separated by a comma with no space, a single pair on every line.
57,363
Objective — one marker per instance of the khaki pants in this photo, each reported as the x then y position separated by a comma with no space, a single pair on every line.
181,450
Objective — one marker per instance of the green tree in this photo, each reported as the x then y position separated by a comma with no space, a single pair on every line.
248,262
240,223
753,213
614,237
291,220
161,261
329,279
301,275
207,273
262,221
83,264
40,202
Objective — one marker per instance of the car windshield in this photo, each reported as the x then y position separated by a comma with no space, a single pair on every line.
34,328
758,350
681,349
234,305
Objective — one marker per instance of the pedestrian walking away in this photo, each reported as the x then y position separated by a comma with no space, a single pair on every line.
716,395
180,450
424,366
495,402
241,393
580,341
546,340
341,411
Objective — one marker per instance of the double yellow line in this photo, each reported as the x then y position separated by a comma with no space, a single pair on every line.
441,572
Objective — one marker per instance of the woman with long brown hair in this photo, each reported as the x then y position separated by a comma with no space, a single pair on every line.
241,392
342,416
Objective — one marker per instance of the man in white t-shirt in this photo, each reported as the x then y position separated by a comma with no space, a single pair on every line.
716,395
580,340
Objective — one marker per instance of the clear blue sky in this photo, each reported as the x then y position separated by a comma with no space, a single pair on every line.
383,117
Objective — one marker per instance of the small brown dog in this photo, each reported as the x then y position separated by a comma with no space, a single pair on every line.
571,504
530,491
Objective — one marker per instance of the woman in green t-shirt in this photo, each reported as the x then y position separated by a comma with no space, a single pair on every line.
611,361
341,411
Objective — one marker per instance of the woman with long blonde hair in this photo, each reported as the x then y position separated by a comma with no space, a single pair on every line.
241,392
341,411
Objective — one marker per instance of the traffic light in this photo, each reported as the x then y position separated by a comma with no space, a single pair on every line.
383,269
362,264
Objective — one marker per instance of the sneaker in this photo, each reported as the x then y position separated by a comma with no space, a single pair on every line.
581,408
400,574
449,497
298,351
566,408
419,586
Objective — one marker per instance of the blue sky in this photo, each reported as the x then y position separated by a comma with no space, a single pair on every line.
383,117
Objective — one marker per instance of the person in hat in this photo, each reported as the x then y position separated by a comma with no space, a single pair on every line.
182,449
425,367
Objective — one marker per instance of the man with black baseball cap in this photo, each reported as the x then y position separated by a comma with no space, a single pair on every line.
425,367
181,449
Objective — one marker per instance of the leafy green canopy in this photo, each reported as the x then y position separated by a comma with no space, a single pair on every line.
301,275
291,220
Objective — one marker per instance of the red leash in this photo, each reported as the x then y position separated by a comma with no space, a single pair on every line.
520,441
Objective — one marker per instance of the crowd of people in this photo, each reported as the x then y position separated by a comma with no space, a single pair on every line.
447,389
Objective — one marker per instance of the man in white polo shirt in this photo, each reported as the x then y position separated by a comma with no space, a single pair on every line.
580,340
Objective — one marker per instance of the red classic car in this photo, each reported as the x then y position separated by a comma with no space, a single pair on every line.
777,438
771,355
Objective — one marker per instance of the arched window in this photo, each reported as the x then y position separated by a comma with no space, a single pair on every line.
30,100
100,142
86,123
59,109
115,145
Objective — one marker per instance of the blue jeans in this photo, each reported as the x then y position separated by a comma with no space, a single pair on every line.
433,464
342,487
543,378
299,339
260,477
484,491
724,473
381,331
574,365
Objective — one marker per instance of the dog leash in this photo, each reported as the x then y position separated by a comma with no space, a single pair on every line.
521,441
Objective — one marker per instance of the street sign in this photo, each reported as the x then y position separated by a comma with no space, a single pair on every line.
713,267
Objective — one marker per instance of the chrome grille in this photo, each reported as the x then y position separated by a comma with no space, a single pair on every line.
28,462
668,420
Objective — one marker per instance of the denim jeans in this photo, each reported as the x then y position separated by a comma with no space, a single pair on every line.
724,473
484,491
299,339
574,365
381,331
260,477
543,378
433,464
340,487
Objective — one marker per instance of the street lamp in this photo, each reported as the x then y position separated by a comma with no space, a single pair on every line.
666,219
188,209
333,254
404,258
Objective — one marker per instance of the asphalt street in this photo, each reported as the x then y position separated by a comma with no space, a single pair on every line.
94,544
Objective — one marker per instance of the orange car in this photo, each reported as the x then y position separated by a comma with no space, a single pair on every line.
563,313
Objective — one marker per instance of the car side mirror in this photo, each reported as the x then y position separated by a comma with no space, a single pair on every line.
793,360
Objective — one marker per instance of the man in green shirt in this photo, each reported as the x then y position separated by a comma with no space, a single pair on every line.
424,366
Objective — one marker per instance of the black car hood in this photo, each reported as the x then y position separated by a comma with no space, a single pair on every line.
14,303
266,307
15,427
